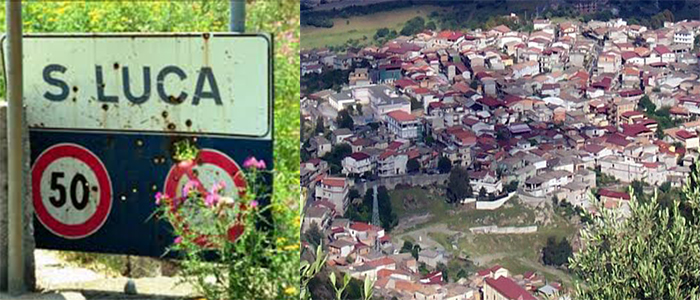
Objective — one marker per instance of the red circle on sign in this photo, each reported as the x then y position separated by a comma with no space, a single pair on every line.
104,205
205,156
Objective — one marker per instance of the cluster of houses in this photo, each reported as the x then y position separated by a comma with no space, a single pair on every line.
546,112
365,251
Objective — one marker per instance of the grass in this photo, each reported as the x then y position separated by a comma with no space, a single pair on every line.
517,252
416,201
358,27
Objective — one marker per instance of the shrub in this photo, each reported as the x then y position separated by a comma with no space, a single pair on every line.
229,248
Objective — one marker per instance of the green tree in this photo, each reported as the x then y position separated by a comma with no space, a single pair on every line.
335,157
344,120
313,235
444,165
458,186
430,25
413,26
412,166
482,192
646,105
407,247
443,268
653,253
415,251
319,125
556,254
381,32
387,216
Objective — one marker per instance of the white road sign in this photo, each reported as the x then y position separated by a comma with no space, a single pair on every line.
217,84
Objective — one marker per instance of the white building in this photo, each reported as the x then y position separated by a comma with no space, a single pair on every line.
548,182
403,125
334,190
357,163
684,37
391,163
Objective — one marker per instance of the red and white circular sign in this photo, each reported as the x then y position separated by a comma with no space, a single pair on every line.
71,190
210,167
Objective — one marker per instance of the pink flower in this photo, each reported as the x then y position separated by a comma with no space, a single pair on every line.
189,186
254,204
178,240
253,163
211,199
159,197
217,187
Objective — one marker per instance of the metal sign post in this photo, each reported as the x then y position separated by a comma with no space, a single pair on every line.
15,274
237,21
104,115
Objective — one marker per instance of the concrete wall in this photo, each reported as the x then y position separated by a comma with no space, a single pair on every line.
491,205
503,230
28,209
413,180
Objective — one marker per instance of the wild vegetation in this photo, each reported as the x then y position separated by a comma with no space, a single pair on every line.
281,18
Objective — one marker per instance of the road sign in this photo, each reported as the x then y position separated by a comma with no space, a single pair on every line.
71,190
213,167
104,113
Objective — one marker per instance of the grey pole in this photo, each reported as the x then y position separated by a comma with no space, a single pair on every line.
15,280
237,21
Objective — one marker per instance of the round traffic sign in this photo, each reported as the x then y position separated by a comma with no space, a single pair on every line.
71,191
210,167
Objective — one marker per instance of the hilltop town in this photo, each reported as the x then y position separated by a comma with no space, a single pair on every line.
443,143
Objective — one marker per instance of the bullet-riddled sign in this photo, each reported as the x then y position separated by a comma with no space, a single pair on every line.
104,112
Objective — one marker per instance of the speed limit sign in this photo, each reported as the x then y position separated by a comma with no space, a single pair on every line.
71,190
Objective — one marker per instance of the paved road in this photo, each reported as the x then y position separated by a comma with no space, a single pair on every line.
61,280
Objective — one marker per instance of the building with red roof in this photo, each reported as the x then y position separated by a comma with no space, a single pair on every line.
403,124
334,190
504,288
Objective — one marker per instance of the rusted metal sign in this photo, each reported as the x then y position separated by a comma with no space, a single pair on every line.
104,112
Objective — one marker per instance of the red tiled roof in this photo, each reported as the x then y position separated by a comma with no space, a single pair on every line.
360,226
333,181
359,156
509,289
401,116
613,194
684,134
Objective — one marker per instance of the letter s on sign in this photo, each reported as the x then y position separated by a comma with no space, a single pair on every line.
55,82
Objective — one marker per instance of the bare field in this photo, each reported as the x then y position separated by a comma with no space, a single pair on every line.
359,26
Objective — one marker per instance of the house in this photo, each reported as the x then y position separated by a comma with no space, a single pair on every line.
319,146
613,199
318,215
528,68
339,135
486,180
431,257
685,38
341,100
357,163
312,171
688,138
504,288
391,163
335,190
403,125
340,248
547,182
359,77
494,272
626,170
